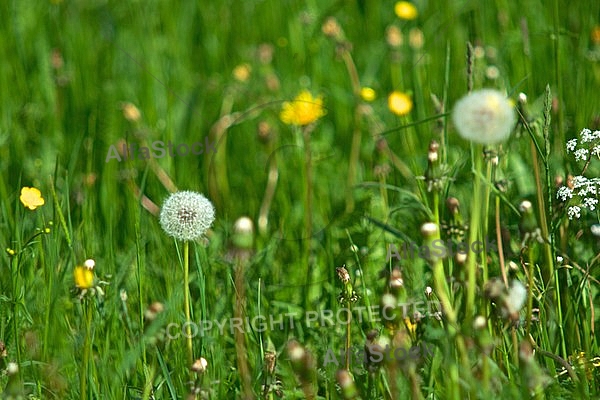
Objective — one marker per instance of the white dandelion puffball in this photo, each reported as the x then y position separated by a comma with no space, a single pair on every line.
484,116
186,215
516,296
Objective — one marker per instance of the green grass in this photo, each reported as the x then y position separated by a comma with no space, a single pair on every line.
175,63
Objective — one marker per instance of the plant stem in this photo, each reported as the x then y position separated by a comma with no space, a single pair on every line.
87,344
473,233
306,132
529,291
186,300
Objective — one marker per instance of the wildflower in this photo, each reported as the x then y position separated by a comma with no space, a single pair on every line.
303,110
331,28
186,215
563,193
571,144
516,297
405,10
200,365
131,112
574,211
84,275
393,36
31,198
399,103
367,94
416,39
242,72
484,116
581,154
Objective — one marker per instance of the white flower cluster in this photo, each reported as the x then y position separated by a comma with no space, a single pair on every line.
582,188
590,140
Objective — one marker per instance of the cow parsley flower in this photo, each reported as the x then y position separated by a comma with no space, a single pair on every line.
484,116
581,154
563,193
590,203
574,211
186,215
581,192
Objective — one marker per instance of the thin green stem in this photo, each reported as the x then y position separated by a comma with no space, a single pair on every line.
186,300
87,344
531,260
473,233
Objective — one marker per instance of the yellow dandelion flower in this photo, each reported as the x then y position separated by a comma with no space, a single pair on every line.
303,110
31,198
400,103
367,94
84,275
406,10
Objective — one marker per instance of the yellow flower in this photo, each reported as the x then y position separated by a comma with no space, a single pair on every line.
31,198
305,109
405,10
399,103
84,275
242,72
367,94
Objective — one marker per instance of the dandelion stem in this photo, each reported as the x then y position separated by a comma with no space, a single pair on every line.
83,376
308,210
473,232
186,300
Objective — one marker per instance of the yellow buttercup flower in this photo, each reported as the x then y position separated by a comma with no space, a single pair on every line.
31,198
400,103
367,94
84,275
303,110
406,10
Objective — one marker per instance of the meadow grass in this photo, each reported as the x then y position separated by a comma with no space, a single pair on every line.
331,194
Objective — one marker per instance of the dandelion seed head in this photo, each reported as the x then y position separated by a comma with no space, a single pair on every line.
516,296
484,116
186,215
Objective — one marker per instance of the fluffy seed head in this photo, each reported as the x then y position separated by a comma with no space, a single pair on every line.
186,215
484,116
